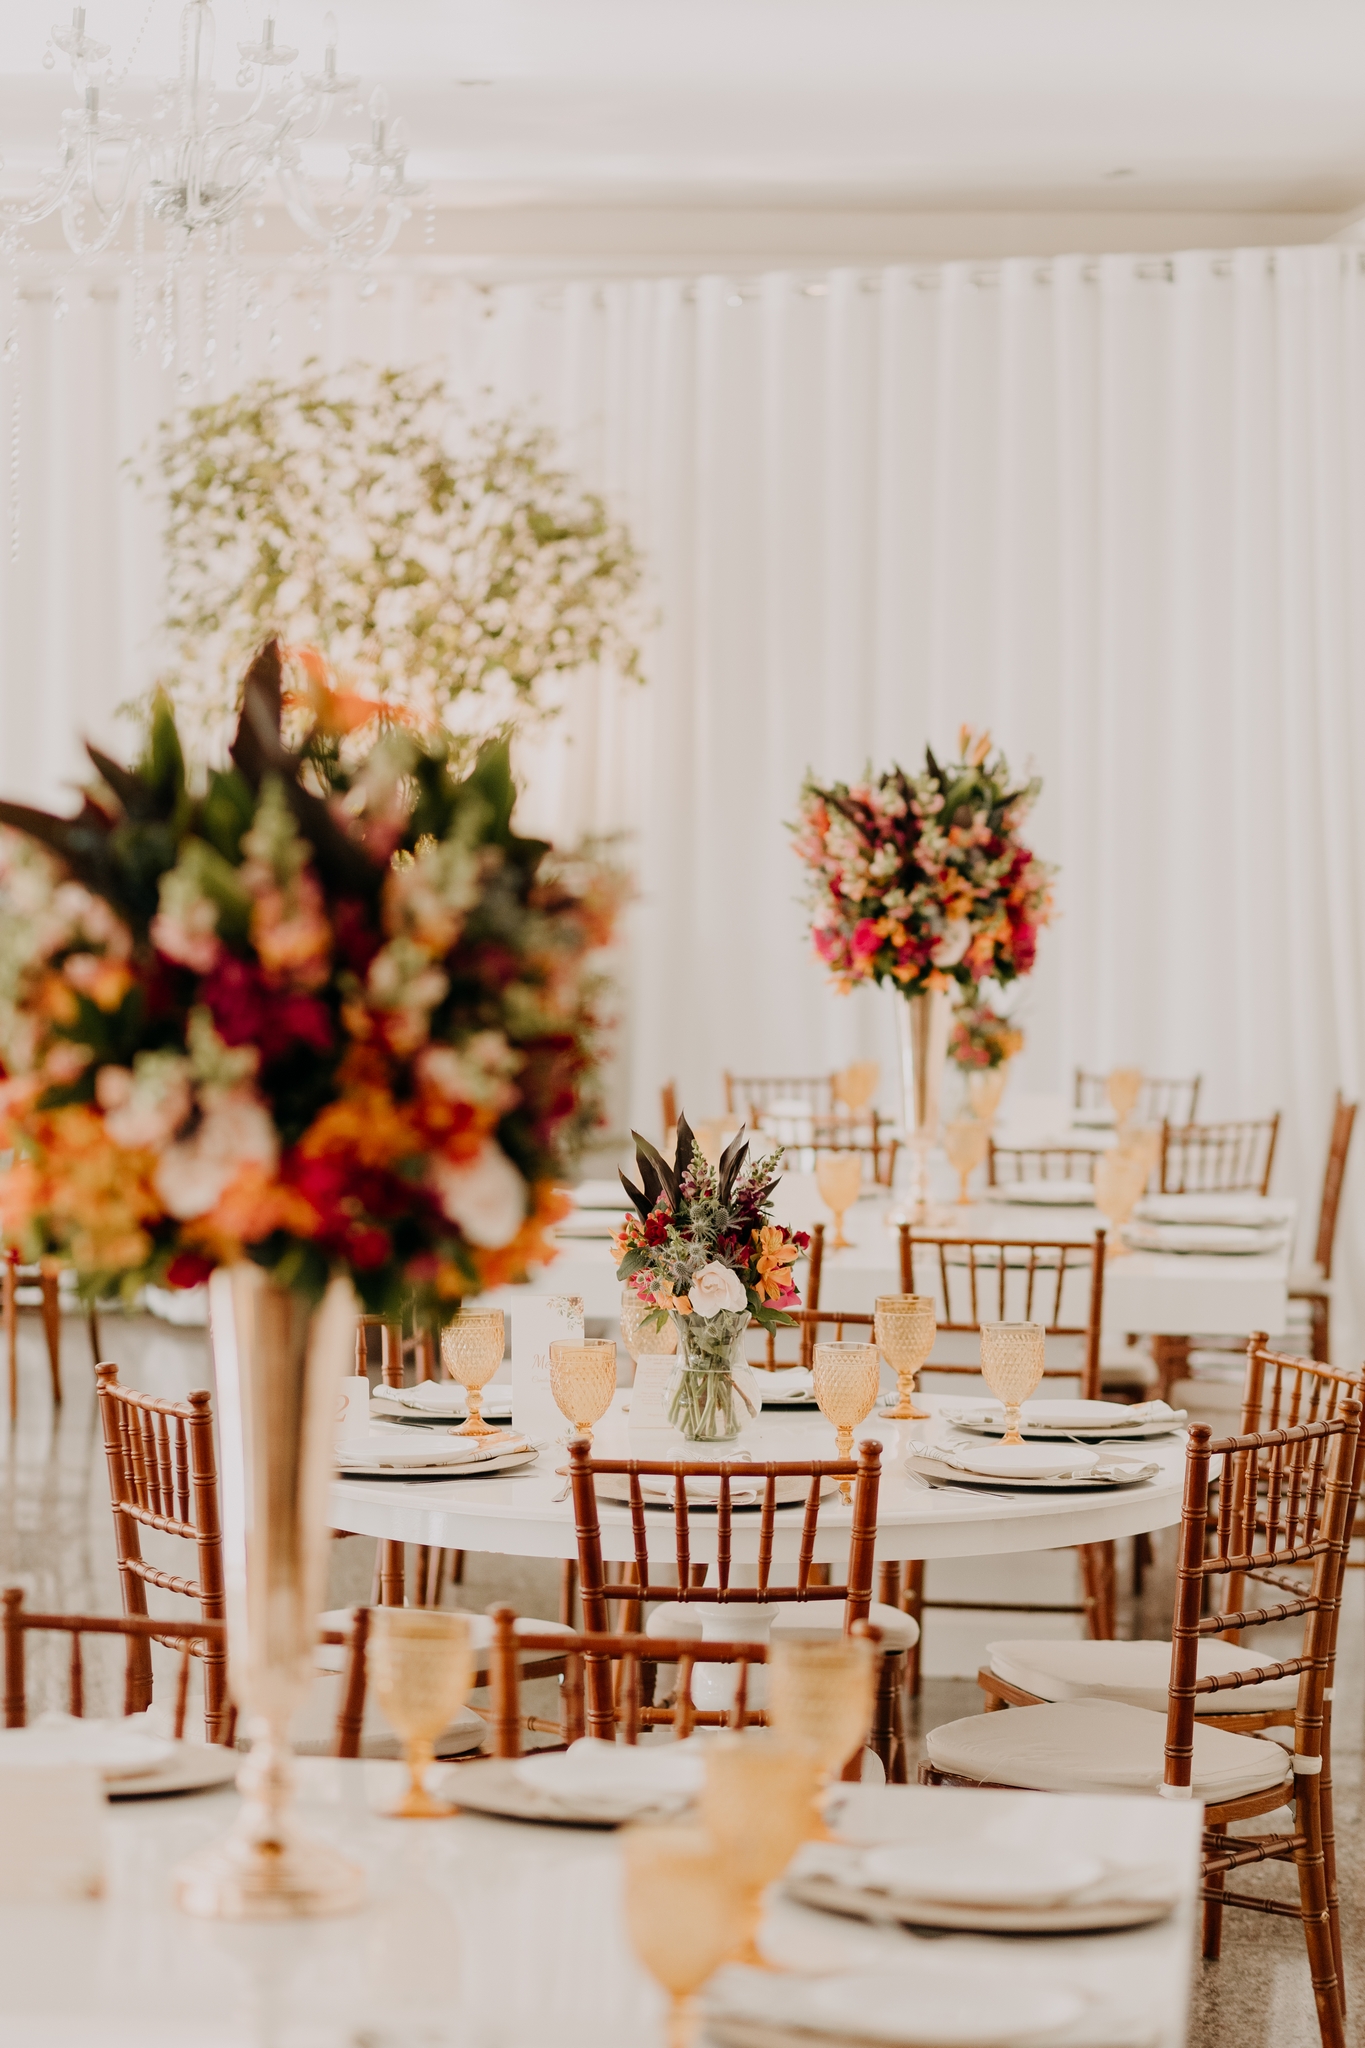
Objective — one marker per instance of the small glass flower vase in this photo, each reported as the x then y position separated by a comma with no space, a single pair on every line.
712,1395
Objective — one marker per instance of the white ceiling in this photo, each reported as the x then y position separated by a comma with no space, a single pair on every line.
1018,105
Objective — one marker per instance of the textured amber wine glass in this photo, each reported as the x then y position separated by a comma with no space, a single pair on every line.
965,1140
756,1804
856,1085
905,1326
821,1692
639,1338
420,1667
1124,1087
471,1352
583,1380
839,1175
1012,1359
682,1912
1120,1177
845,1378
984,1091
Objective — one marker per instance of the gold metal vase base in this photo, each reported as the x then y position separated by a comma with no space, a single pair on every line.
266,1868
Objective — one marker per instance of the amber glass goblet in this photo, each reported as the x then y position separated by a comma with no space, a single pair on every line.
1124,1087
1012,1360
640,1337
839,1175
985,1089
420,1667
905,1326
757,1804
965,1140
471,1352
821,1692
845,1380
583,1380
1120,1177
682,1912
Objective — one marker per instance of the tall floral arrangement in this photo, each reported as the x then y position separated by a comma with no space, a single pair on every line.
324,1019
923,880
434,561
981,1040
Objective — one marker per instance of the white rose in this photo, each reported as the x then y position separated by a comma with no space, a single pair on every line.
716,1287
236,1130
486,1196
954,943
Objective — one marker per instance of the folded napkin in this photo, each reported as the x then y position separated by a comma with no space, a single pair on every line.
1106,1470
787,1383
1226,1238
618,1778
113,1748
392,1445
1249,1210
992,1875
440,1397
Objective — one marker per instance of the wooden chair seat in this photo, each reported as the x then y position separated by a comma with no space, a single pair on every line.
1136,1674
1100,1746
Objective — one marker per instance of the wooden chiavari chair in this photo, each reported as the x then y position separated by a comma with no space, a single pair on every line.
19,1285
749,1095
865,1134
1284,1500
809,1597
140,1631
1007,1165
1175,1102
977,1280
163,1475
1314,1286
1219,1158
433,1569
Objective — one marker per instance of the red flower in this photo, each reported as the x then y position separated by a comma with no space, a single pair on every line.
247,1011
656,1227
188,1269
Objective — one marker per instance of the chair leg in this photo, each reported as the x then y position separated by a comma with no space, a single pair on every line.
912,1603
1214,1881
92,1324
390,1574
1098,1575
1317,1918
1320,1324
1329,1856
1142,1560
888,1728
52,1330
422,1575
568,1591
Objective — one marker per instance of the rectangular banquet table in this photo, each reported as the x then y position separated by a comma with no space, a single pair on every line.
1152,1293
490,1934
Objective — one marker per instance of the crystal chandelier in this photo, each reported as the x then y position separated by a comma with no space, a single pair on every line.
197,173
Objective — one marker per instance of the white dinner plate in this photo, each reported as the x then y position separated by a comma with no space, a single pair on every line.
1047,1194
1112,1473
386,1465
927,2003
1023,1461
1216,1240
444,1403
191,1767
1106,1908
1091,1421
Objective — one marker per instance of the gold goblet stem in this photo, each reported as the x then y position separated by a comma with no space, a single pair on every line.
417,1803
843,1448
681,2020
1011,1435
840,1243
474,1424
963,1198
905,1409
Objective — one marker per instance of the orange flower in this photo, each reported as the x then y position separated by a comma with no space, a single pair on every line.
367,1125
776,1253
250,1207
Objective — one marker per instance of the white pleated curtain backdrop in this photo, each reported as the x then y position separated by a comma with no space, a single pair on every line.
1113,510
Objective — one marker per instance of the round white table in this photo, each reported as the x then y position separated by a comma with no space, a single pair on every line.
488,1934
517,1514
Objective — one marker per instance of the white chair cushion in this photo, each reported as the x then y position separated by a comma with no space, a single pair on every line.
1100,1746
683,1618
1309,1281
1138,1674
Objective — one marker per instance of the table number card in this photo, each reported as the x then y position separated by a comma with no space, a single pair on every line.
539,1320
353,1412
52,1826
648,1393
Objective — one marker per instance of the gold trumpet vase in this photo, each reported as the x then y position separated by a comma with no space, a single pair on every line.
923,1022
279,1359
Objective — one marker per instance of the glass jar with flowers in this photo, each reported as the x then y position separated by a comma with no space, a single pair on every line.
702,1247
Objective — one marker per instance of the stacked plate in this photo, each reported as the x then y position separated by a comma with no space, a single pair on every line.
1083,1421
1027,1467
393,1452
589,1785
791,1386
1047,1194
134,1763
1227,1225
930,2003
1043,1889
439,1403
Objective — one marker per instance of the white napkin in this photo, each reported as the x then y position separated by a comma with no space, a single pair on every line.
1049,1194
787,1383
614,1777
441,1397
113,1748
1228,1238
392,1445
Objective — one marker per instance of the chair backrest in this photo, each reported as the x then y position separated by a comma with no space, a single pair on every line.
1175,1102
1283,1500
1281,1391
1008,1280
668,1107
809,1584
1006,1164
810,1322
772,1360
1219,1158
395,1350
863,1133
138,1631
633,1705
1334,1173
748,1095
163,1475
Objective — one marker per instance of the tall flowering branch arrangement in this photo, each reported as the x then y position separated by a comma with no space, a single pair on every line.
319,1018
434,561
923,880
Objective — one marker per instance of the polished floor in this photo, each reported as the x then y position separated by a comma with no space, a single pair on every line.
56,1542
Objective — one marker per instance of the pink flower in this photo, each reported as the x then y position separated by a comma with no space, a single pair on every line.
866,941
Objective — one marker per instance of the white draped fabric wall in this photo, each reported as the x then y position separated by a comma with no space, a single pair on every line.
1112,509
